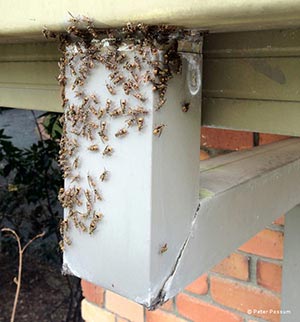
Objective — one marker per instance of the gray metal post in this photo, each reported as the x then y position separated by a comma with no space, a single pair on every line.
291,268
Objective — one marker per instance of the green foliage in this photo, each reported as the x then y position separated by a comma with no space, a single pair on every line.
29,184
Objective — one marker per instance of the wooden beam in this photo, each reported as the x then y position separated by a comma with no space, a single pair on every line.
241,193
265,116
272,78
30,85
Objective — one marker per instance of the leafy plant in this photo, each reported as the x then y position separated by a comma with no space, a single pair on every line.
30,180
29,183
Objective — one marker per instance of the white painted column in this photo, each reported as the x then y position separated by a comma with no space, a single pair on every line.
151,192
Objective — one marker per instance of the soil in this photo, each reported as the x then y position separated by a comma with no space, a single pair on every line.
44,295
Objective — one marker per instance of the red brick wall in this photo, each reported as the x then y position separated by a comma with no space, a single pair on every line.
243,287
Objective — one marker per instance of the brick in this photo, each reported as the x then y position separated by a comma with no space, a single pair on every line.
124,307
93,313
265,138
200,311
226,139
269,275
199,286
267,243
168,306
244,298
160,316
92,292
279,221
235,265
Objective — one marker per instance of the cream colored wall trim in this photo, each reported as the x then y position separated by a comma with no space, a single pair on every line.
25,19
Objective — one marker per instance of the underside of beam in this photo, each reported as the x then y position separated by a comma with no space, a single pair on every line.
25,20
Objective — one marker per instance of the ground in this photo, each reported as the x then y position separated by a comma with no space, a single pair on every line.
44,293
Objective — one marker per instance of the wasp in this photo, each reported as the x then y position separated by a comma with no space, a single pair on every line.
93,125
93,110
104,175
64,226
158,129
185,107
94,98
85,101
113,75
137,62
110,89
163,248
161,103
96,218
84,215
100,113
67,240
121,58
108,105
136,111
93,226
82,226
118,79
102,131
139,97
108,150
93,147
130,122
91,181
48,34
134,76
116,112
123,106
64,102
75,221
88,208
127,87
97,195
61,79
147,77
75,163
92,31
121,132
140,123
88,197
73,19
75,178
61,245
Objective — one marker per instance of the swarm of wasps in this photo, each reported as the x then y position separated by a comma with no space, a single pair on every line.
154,61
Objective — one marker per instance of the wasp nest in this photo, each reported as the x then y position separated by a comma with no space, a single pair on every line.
135,58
